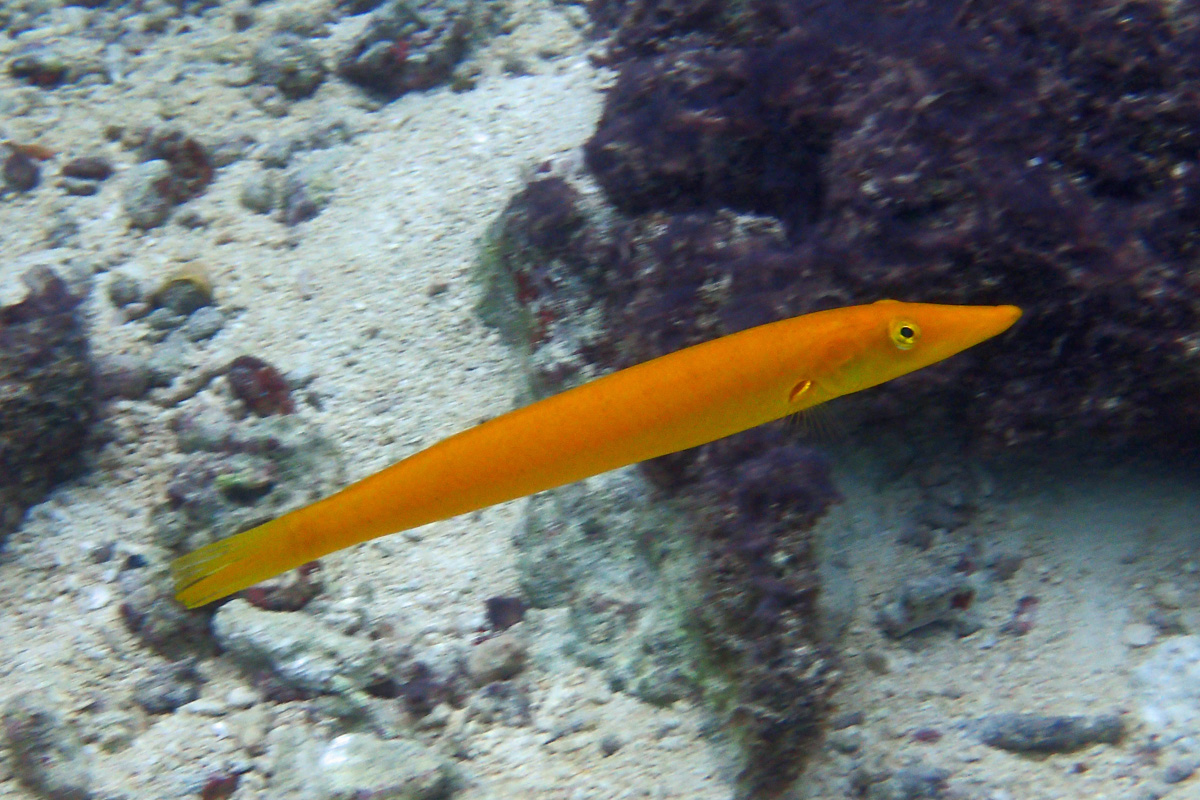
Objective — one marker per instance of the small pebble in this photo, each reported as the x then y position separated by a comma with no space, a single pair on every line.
204,324
846,719
92,168
123,289
496,659
1178,771
78,188
147,195
610,743
1167,595
167,688
290,64
120,375
259,193
847,740
504,611
1138,634
184,293
241,697
41,65
877,662
260,386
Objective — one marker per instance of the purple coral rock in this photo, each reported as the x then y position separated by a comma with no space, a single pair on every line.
934,153
47,400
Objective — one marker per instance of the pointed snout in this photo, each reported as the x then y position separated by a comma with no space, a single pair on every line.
959,328
987,321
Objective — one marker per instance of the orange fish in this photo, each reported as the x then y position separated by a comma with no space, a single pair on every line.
681,400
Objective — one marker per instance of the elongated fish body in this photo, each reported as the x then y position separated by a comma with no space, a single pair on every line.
671,403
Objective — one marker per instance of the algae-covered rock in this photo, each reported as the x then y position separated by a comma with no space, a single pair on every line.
942,598
47,400
47,755
239,473
627,570
358,765
692,575
290,64
307,654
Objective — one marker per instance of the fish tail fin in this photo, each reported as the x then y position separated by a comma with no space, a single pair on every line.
234,563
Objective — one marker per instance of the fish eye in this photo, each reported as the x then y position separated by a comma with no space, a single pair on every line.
904,333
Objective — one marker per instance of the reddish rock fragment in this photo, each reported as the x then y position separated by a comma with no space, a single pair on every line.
219,786
290,592
1023,617
260,386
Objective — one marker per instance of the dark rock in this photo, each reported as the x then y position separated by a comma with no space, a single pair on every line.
504,611
176,168
289,63
423,687
150,613
1179,771
41,65
739,128
260,386
610,743
658,283
409,46
219,786
291,591
1034,733
167,688
92,168
21,172
47,397
190,161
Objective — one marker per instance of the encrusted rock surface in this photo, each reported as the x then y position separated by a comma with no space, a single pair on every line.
47,399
